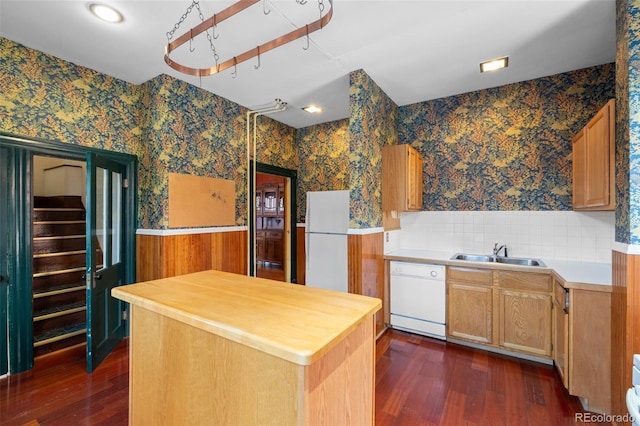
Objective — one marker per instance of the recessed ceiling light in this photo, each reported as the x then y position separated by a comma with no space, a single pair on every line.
106,13
494,64
312,109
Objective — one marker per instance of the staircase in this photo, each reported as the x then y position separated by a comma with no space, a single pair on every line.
59,257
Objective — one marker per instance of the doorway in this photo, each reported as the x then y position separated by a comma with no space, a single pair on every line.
273,242
59,254
52,259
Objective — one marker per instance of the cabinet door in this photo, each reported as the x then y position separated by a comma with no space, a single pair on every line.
259,198
598,156
270,201
525,322
579,172
280,206
277,251
590,348
260,249
561,334
414,180
469,312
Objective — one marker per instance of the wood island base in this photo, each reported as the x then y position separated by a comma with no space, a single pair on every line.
182,373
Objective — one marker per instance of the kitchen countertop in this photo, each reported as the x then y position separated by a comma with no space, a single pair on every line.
290,321
584,275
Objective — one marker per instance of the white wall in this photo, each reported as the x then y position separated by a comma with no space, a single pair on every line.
561,235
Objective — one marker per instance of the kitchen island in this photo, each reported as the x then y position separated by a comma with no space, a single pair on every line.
219,348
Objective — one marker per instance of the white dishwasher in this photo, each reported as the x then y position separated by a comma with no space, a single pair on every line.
418,298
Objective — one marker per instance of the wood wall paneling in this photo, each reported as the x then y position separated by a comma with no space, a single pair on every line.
625,325
301,259
229,252
163,256
366,269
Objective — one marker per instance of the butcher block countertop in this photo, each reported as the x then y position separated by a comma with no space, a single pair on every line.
292,322
580,275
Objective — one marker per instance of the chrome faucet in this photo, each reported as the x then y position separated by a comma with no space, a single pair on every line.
496,249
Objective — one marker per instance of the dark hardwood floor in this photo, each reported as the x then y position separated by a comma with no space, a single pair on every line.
271,271
419,381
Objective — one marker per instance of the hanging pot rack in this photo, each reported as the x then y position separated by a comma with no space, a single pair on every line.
251,53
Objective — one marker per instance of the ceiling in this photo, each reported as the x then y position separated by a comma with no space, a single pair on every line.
414,50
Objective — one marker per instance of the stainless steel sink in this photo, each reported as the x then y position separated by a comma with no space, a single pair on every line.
472,257
498,259
520,261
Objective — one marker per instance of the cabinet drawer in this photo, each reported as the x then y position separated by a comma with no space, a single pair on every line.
525,281
470,276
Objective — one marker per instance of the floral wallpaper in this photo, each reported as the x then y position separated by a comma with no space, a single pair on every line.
627,125
372,124
184,135
505,148
45,97
324,160
172,126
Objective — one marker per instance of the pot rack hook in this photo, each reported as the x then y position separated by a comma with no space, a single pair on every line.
264,7
234,74
191,49
215,26
307,47
257,66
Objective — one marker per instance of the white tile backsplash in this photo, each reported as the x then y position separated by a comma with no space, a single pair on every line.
561,235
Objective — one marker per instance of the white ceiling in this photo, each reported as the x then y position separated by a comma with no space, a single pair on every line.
414,50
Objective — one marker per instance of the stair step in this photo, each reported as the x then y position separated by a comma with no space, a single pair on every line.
59,253
55,291
57,222
47,262
57,214
58,201
70,294
49,228
62,271
58,311
59,243
59,237
59,334
71,278
57,209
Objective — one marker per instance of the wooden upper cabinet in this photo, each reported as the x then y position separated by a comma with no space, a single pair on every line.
594,162
401,178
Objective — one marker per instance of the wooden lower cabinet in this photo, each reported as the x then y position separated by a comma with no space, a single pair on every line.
269,246
524,312
582,353
470,304
560,332
508,310
525,322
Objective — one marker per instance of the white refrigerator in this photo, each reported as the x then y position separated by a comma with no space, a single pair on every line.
327,223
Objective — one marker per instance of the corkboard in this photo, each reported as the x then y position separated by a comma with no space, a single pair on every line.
201,201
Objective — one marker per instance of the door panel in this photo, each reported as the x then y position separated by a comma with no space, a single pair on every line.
105,324
4,259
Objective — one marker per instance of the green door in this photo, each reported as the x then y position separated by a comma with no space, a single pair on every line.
105,248
4,258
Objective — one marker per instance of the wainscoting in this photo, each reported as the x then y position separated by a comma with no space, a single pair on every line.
366,269
625,324
162,256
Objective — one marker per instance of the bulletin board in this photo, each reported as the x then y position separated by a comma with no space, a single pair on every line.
196,201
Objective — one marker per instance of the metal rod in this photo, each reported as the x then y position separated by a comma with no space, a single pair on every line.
279,106
265,47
